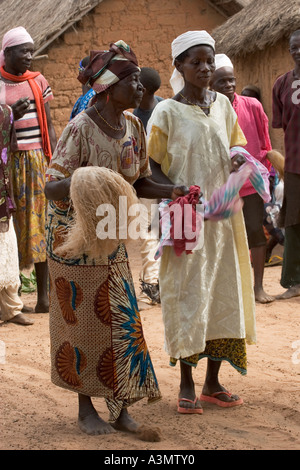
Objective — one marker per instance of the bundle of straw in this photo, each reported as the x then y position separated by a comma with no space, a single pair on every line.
277,160
90,187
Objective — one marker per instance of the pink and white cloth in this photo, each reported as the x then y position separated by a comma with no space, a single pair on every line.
182,229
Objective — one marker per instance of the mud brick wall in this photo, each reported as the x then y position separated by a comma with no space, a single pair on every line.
147,26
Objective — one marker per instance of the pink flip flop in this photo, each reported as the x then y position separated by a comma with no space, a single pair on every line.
189,411
225,404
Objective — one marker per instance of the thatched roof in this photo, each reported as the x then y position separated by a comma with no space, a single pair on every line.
262,23
228,8
45,20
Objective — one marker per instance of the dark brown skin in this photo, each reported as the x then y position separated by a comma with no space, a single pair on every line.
17,61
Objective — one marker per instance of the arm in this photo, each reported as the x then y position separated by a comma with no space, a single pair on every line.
149,189
157,174
51,130
57,190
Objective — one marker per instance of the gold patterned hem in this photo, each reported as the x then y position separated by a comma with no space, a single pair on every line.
232,350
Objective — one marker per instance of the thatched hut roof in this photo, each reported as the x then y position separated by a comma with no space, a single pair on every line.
228,8
45,20
260,24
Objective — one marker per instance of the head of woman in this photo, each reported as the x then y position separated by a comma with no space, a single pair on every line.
196,65
114,75
194,59
17,51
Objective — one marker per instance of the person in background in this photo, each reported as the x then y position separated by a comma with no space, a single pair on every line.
28,94
286,116
11,305
254,124
87,92
251,91
149,274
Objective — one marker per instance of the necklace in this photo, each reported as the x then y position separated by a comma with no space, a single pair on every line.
193,104
107,123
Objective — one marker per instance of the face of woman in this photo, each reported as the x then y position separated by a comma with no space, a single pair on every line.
18,58
198,67
128,92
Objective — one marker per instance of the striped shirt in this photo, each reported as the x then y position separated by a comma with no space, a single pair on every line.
27,128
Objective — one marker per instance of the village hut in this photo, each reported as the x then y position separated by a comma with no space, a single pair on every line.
65,31
257,41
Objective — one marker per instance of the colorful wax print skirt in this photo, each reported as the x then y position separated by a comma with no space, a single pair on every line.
226,349
28,180
97,343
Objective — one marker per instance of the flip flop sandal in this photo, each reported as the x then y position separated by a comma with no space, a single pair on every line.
189,411
225,404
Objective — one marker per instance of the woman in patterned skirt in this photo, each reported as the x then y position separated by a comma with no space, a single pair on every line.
97,343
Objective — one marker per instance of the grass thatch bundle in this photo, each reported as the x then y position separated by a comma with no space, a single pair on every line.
260,24
277,160
93,187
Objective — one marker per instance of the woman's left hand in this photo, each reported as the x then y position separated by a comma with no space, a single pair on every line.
237,161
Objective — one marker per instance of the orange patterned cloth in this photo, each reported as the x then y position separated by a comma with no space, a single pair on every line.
97,343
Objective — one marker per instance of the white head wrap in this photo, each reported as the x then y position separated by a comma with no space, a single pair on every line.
181,44
14,37
221,60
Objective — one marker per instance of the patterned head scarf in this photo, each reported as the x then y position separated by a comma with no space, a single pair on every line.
14,37
108,67
180,45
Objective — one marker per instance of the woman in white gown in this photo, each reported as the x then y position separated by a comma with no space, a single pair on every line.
207,297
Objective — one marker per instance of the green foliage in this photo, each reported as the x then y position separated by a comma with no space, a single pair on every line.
28,284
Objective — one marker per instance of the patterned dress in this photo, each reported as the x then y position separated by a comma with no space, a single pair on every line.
97,343
29,166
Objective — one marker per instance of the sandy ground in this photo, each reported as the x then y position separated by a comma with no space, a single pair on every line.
36,415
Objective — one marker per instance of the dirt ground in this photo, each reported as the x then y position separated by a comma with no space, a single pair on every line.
36,415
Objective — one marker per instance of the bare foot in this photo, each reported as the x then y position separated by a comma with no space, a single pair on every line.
26,309
290,293
93,425
21,319
127,424
262,297
42,307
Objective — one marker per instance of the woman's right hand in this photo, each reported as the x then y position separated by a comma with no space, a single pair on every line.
179,191
20,107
